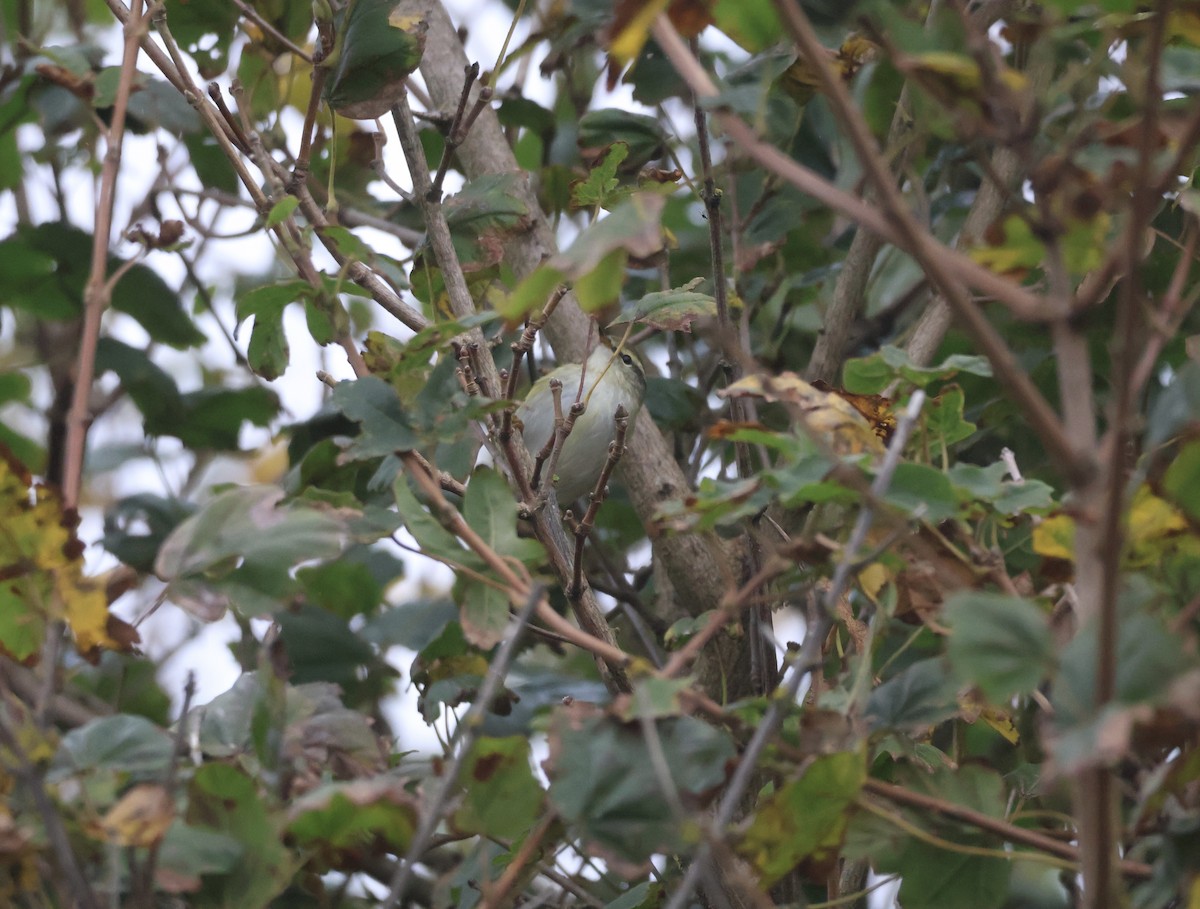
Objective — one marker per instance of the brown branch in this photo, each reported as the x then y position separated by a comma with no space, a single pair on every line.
252,14
454,138
616,449
946,268
518,584
1003,829
97,292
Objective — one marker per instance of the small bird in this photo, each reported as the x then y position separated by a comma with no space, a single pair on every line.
612,379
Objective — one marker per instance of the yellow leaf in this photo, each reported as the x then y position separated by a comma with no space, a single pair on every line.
42,563
1054,538
828,414
406,23
956,70
141,816
1185,24
872,579
629,42
1151,518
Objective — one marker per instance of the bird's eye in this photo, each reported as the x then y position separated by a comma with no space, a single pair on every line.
626,359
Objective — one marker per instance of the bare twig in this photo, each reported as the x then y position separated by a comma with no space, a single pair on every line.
616,448
808,659
252,14
1007,831
764,667
464,735
456,133
97,292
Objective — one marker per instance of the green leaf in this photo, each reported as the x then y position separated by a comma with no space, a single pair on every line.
205,31
1181,484
1025,497
343,587
531,293
245,525
484,613
941,879
655,698
922,490
432,537
149,386
123,743
502,798
753,24
485,214
601,285
633,227
603,780
268,349
920,696
135,527
143,294
414,624
44,269
321,647
670,310
1001,644
385,427
213,417
491,510
805,818
601,181
870,375
188,853
933,878
642,136
376,48
207,418
340,820
224,800
943,416
281,210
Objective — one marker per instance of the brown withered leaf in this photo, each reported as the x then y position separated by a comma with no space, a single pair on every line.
829,415
878,410
140,817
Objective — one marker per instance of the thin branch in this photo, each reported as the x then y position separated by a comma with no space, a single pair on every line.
1007,831
453,137
252,14
764,667
464,735
96,293
601,645
616,448
496,895
947,269
808,659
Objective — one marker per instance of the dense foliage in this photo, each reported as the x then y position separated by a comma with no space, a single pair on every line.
899,571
